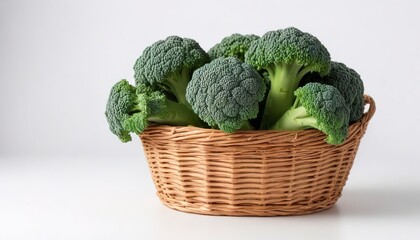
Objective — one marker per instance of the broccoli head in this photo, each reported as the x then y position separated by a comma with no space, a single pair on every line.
131,109
350,85
117,108
348,82
288,55
225,93
318,106
167,65
234,45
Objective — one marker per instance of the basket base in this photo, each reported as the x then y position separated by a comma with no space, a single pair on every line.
248,210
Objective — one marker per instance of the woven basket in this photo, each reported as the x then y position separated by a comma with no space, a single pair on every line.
250,173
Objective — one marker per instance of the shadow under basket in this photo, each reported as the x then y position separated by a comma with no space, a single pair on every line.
250,173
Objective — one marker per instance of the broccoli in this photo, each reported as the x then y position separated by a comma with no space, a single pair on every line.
167,65
350,85
225,93
318,106
348,82
130,109
287,55
234,45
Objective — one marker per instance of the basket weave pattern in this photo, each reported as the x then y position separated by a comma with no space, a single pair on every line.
250,173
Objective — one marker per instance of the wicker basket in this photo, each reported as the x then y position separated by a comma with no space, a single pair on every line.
250,173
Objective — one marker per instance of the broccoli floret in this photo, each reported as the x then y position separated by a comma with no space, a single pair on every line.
131,109
119,103
348,82
350,85
357,109
234,45
225,93
167,65
318,106
287,55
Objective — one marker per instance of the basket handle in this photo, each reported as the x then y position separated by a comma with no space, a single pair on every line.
372,107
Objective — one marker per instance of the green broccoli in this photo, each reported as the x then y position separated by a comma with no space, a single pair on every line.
234,45
318,106
225,93
350,85
287,55
348,82
167,65
131,109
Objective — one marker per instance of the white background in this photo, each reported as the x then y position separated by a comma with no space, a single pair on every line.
63,175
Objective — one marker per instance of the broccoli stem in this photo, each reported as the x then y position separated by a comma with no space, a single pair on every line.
178,115
177,83
295,119
303,71
284,81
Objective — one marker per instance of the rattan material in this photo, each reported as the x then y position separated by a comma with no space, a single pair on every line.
250,173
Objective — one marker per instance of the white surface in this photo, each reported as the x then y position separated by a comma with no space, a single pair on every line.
63,175
109,198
